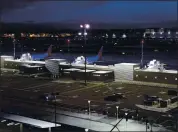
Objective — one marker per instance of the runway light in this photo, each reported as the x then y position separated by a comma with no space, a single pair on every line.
81,26
79,33
87,26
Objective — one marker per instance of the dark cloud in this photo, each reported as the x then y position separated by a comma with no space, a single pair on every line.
95,12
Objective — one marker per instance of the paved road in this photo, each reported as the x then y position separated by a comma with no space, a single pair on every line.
93,122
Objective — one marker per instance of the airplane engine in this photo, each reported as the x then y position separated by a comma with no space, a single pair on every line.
26,57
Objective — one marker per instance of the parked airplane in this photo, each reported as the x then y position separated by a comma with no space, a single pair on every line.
89,60
29,57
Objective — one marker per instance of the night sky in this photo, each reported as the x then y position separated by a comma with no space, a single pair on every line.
95,12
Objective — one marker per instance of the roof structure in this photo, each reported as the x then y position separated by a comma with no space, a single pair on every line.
29,121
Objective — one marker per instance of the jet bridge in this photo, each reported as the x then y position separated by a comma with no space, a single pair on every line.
29,121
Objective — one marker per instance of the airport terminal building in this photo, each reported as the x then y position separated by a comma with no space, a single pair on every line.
59,68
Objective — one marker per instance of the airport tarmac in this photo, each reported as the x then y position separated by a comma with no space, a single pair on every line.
21,91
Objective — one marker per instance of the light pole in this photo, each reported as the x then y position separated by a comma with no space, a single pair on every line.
85,27
89,108
117,107
142,42
0,41
146,124
54,97
68,44
126,120
55,110
14,42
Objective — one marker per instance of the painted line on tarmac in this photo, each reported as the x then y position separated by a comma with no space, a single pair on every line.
81,89
32,87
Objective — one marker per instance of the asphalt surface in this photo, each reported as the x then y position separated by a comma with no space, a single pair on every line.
24,92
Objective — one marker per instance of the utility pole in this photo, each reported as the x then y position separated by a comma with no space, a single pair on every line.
142,42
0,39
85,56
14,43
85,27
55,109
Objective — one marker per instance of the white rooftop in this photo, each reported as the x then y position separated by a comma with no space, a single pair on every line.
90,66
156,70
131,64
102,72
5,56
29,121
29,66
30,62
64,63
86,70
58,59
72,69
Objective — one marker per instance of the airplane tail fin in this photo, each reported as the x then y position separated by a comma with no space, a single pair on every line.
49,51
100,53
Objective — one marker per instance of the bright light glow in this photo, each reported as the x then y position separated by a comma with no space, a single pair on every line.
86,130
165,78
85,33
142,42
117,107
17,124
79,33
153,32
175,78
87,26
126,113
89,101
3,121
81,26
124,36
169,32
